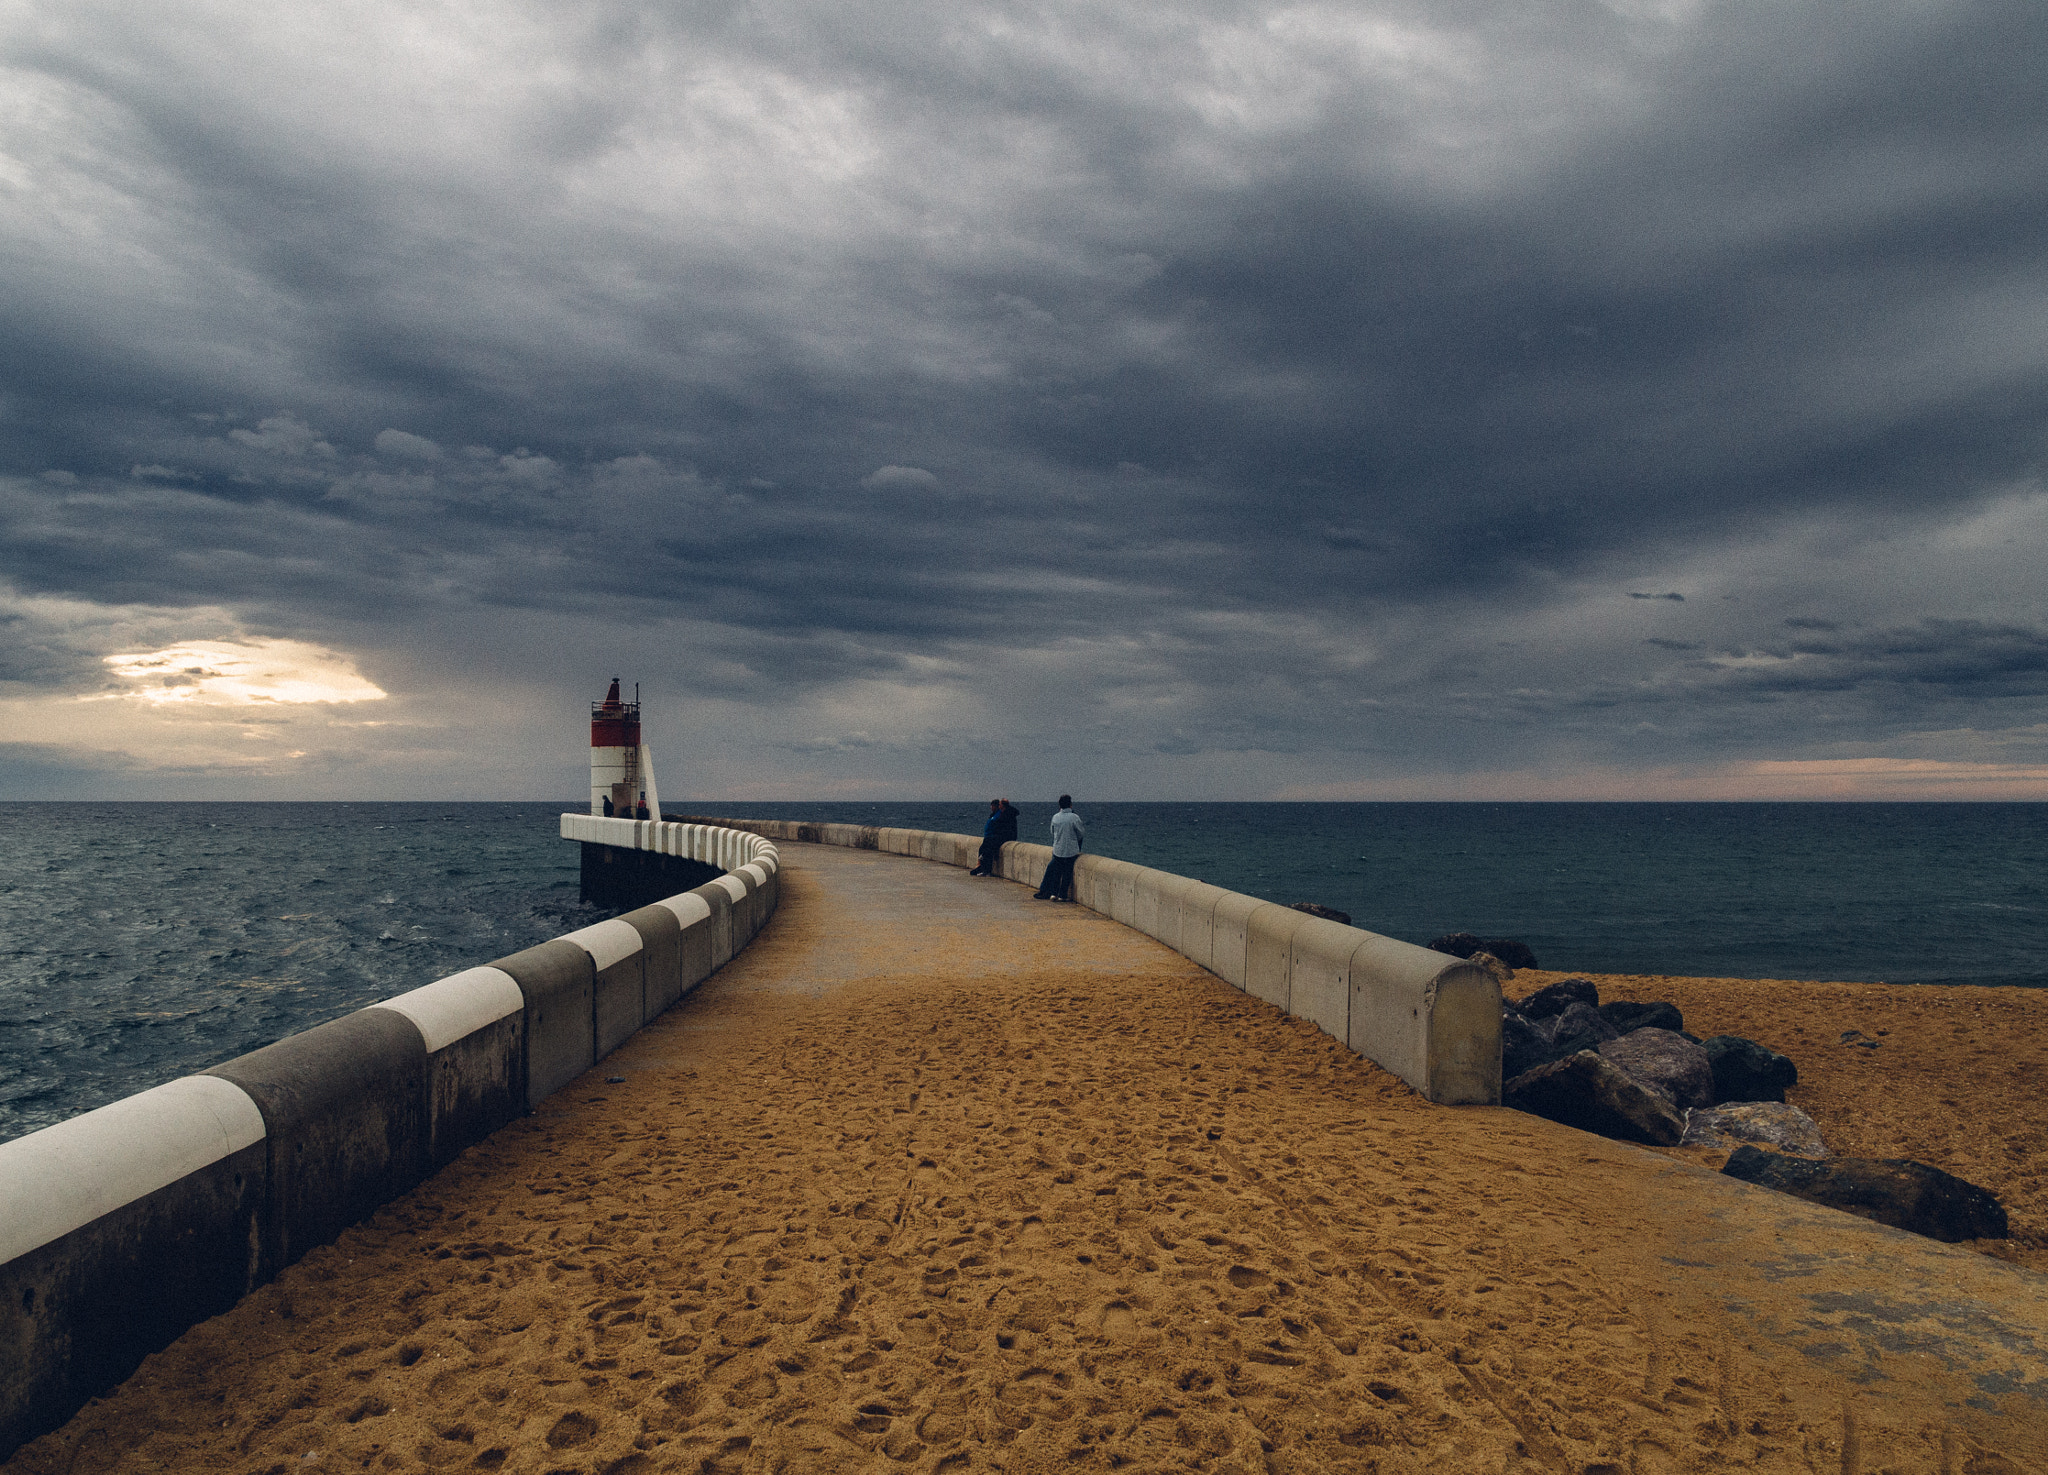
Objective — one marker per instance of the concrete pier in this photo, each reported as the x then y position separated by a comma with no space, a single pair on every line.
621,879
935,1177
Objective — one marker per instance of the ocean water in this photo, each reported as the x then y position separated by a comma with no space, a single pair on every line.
140,942
1898,893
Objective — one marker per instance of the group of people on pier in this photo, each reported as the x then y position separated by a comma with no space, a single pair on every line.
1057,884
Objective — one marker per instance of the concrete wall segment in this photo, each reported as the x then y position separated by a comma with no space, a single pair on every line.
1160,904
661,957
719,927
618,1004
1464,1037
64,1177
346,1124
1197,922
475,1085
1091,884
1227,923
695,965
556,979
1123,892
1025,862
1146,899
80,1312
1269,938
1319,975
1388,991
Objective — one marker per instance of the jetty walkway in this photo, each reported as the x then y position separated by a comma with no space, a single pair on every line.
935,1177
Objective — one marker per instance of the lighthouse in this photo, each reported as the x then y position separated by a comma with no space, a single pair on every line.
621,768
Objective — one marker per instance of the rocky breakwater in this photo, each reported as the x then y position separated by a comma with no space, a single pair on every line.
1630,1070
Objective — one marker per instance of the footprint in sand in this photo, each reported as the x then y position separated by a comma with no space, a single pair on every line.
572,1429
1117,1321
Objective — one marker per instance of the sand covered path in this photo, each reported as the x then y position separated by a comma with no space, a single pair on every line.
938,1178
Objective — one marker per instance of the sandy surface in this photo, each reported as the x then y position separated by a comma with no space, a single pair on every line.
1032,1193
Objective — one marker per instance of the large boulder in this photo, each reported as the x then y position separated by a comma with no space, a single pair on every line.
1524,1044
1895,1191
1501,972
1590,1093
1770,1124
1667,1062
1555,998
1464,945
1626,1014
1578,1027
1747,1071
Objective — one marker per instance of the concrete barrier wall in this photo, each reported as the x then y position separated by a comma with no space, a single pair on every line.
1431,1019
124,1226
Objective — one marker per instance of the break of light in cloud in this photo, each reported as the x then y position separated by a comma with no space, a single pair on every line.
1215,400
251,673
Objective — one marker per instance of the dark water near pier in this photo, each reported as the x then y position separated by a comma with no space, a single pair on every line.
139,942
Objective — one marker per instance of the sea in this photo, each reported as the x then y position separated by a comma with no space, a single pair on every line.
140,942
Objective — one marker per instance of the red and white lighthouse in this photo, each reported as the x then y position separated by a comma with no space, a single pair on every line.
621,768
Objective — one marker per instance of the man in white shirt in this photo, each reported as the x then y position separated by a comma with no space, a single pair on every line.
1058,882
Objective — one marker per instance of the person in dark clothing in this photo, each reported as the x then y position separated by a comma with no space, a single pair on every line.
997,831
990,845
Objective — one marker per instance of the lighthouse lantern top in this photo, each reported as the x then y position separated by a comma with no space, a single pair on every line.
614,723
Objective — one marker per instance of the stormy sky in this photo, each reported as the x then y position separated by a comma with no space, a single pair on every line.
1465,399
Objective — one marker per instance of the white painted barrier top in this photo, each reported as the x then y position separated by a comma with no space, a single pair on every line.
606,942
689,908
64,1177
455,1007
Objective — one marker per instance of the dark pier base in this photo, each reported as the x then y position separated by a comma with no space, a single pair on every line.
621,880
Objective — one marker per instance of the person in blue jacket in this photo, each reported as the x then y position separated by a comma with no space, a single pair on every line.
989,843
1067,834
999,829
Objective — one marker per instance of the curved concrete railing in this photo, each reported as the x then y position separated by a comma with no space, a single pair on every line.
124,1226
1431,1019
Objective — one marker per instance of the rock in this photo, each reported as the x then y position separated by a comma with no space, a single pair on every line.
1509,951
1464,945
1895,1191
1771,1124
1501,972
1667,1062
1747,1071
1552,998
1524,1044
1625,1015
1328,914
1579,1027
1588,1092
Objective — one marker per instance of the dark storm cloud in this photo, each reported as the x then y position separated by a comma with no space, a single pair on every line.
1264,379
